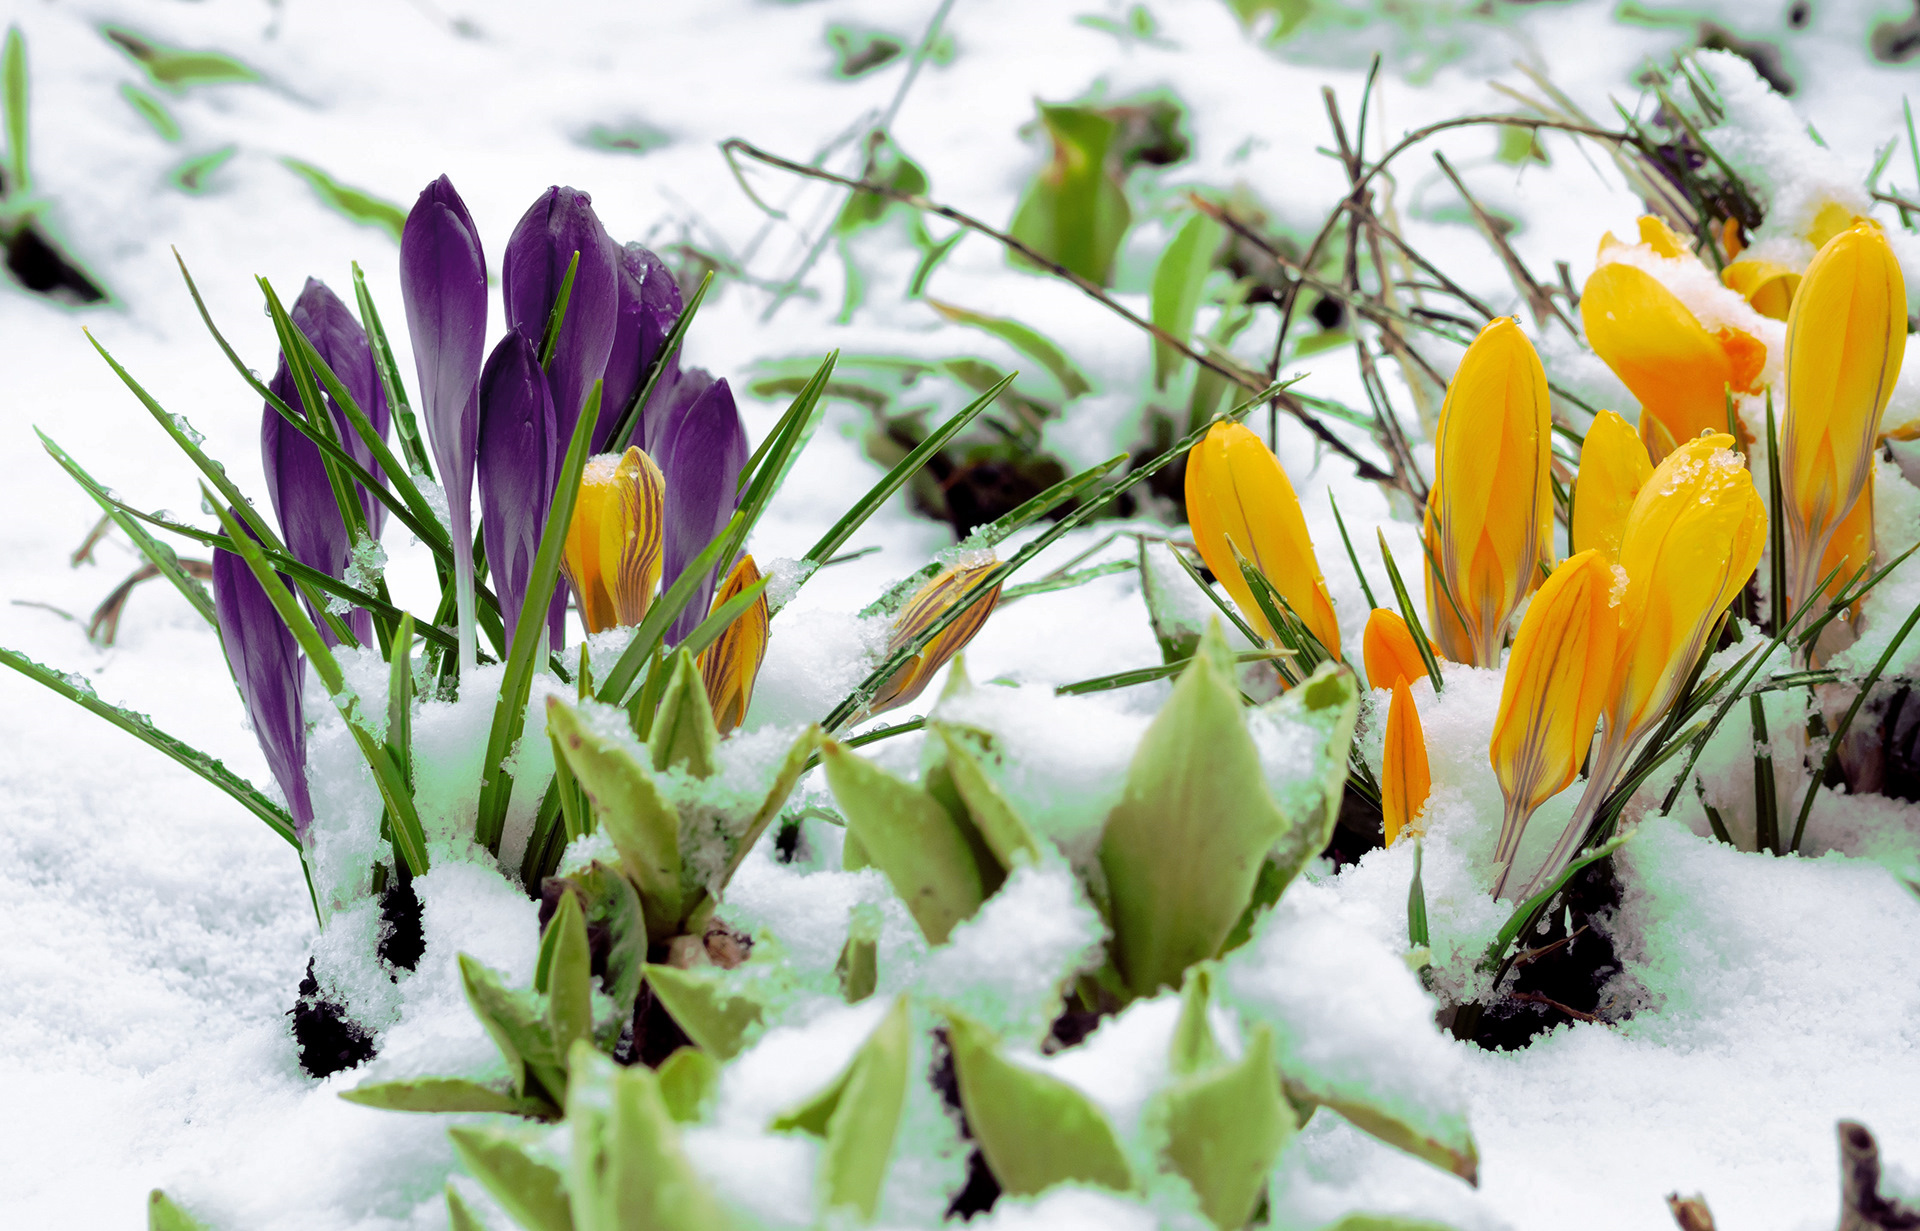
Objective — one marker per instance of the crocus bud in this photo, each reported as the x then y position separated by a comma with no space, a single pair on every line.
670,404
1239,497
649,305
702,452
443,282
1389,651
1490,511
267,667
730,665
929,603
1613,469
518,458
1846,337
1556,682
1851,546
613,546
559,224
1405,781
1766,285
1677,369
297,485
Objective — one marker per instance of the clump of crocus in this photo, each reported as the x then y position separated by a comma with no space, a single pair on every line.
1556,682
1678,369
1691,541
1239,500
1389,652
928,604
731,664
1490,511
1613,469
1846,337
1405,780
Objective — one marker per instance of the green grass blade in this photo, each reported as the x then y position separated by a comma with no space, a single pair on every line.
1141,675
646,638
629,419
1409,614
1846,722
354,204
1025,339
405,425
557,316
1353,557
510,714
239,789
13,84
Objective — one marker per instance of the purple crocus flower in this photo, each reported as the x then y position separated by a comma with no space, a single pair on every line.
703,449
559,224
671,400
519,458
297,484
443,280
269,670
649,305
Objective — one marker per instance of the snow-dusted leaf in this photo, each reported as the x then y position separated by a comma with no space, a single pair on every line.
569,969
164,1215
688,1080
627,1169
1003,830
613,905
643,826
714,1015
861,1126
912,839
529,1190
1035,1130
444,1094
683,734
515,1023
1224,1128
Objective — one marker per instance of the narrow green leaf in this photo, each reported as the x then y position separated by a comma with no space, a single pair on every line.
177,68
1330,698
1410,614
627,1169
1004,831
1025,339
683,734
629,419
194,173
1194,1049
515,1024
910,838
1387,1222
689,1079
569,982
163,1214
642,824
648,637
354,204
459,1217
531,1192
152,110
400,699
863,1126
14,89
1172,629
1458,1154
445,1094
557,315
714,1016
399,409
1177,283
1035,1130
1182,849
797,761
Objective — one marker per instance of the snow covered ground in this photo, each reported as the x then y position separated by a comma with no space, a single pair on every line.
151,935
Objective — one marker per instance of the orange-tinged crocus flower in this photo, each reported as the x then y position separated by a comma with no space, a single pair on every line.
1556,683
731,664
1846,337
1239,497
612,556
1490,511
928,604
1389,651
1679,372
1613,468
1405,781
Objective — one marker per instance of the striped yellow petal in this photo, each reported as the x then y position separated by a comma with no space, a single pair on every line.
928,604
1238,496
1405,781
730,665
612,556
1555,685
1846,336
1490,509
1767,285
1389,651
1613,469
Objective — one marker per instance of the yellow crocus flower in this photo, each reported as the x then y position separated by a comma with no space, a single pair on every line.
1239,497
1613,469
1490,511
1767,285
929,603
1405,781
1846,337
1389,652
1556,683
731,664
612,556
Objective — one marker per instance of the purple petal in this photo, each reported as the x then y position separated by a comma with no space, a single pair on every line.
559,224
443,280
649,305
268,668
671,402
518,458
701,463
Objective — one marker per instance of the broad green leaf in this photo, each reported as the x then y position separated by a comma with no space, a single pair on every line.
1172,626
1035,1130
861,1129
1225,1127
1182,849
176,68
891,168
792,766
614,907
1004,831
912,840
1194,1047
627,1171
1074,212
444,1094
1027,340
516,1026
1177,283
1456,1153
643,826
689,1078
533,1193
859,964
683,735
354,204
459,1217
1386,1222
569,976
163,1214
712,1014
